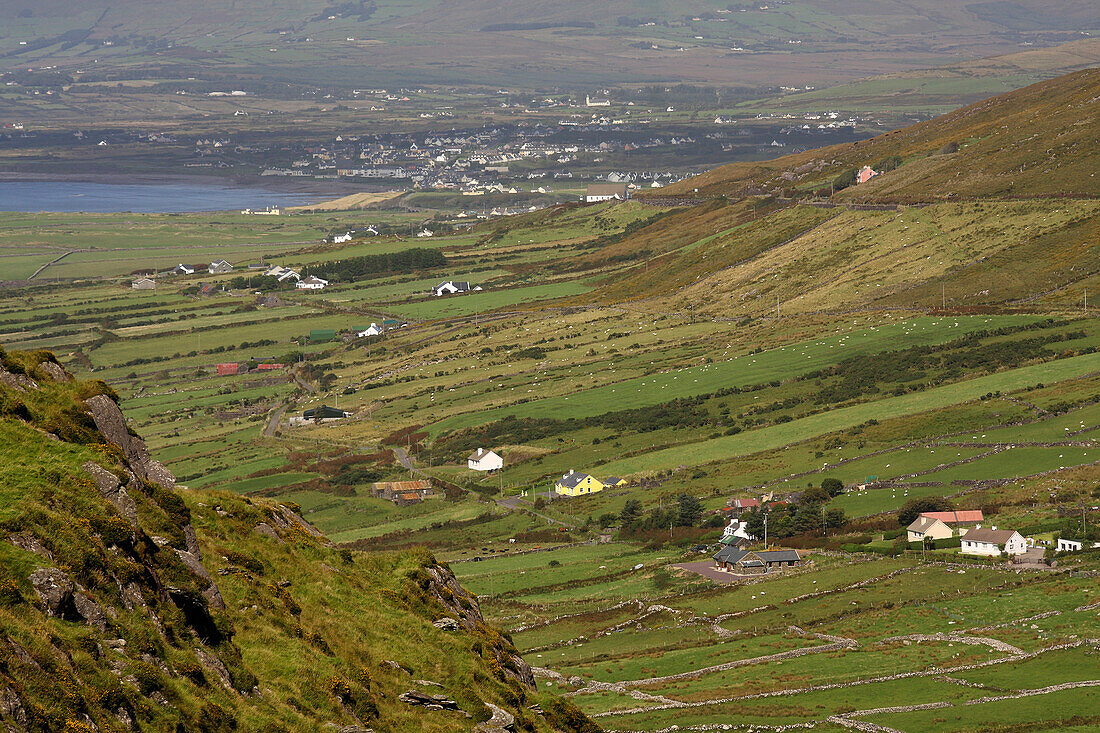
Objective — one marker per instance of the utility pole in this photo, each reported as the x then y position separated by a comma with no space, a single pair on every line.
765,531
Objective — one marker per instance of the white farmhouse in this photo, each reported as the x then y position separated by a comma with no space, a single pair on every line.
311,283
374,330
993,542
1066,544
484,460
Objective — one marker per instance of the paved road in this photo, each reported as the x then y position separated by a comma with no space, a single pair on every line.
274,420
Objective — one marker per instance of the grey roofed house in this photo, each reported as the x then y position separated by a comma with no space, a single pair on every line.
219,267
182,269
989,536
570,480
605,192
734,558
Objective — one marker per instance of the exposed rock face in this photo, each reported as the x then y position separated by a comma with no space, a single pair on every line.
464,611
112,490
53,371
446,623
18,382
284,518
65,599
211,594
432,702
501,721
109,421
267,530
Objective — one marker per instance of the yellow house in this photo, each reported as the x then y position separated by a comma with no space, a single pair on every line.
576,484
614,481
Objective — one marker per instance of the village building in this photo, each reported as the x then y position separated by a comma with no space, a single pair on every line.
575,483
403,493
144,284
219,268
311,283
737,507
615,481
943,525
324,412
374,330
865,174
606,192
755,562
736,530
182,269
451,287
1066,544
993,542
484,460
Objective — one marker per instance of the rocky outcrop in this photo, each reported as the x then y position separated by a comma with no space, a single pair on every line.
53,371
501,722
112,490
211,592
64,599
110,422
464,612
431,702
18,382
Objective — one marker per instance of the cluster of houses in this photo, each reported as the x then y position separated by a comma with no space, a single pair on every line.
967,526
576,483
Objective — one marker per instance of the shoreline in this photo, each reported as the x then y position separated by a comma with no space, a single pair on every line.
275,184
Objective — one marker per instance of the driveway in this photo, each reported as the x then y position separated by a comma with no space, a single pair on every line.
707,570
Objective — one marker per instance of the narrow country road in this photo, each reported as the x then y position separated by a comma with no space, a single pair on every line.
274,420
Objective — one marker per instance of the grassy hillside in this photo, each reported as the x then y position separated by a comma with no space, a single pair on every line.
1039,140
525,43
129,603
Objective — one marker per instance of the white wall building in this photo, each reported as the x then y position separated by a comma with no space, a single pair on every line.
484,460
989,542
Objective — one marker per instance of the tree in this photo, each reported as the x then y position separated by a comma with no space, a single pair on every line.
835,518
606,520
715,520
845,179
754,523
632,509
814,496
689,509
913,508
834,486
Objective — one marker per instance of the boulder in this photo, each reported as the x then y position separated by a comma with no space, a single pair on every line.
501,721
18,382
446,623
424,699
113,491
54,372
65,599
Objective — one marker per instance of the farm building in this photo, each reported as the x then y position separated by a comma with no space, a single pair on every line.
453,286
269,366
1065,544
865,174
226,369
736,529
484,460
209,289
324,412
993,542
392,490
312,283
606,192
182,269
615,481
737,507
374,330
755,562
144,284
219,268
577,484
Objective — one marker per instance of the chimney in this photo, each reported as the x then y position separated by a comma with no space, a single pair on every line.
570,472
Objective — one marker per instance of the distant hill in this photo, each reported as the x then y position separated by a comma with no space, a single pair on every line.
1043,139
371,42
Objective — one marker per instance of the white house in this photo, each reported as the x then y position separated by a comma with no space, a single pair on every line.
218,268
454,286
989,542
311,283
1067,545
288,274
182,269
374,330
144,284
341,238
736,528
425,233
484,460
606,192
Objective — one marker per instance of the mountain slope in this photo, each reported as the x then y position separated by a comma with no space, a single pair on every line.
129,604
1043,139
